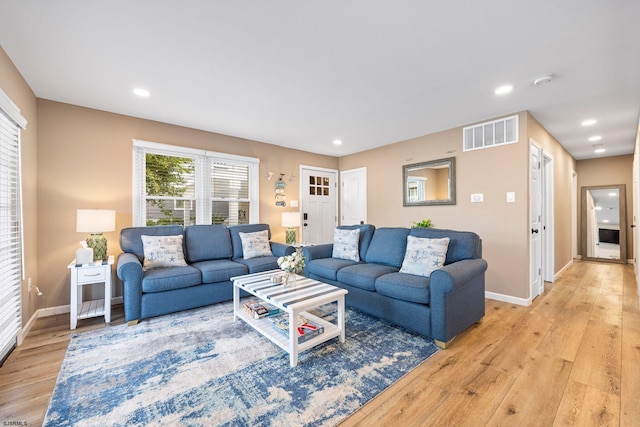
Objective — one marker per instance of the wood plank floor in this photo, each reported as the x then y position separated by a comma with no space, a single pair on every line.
571,358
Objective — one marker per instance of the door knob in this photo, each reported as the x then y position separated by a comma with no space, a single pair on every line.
305,224
534,230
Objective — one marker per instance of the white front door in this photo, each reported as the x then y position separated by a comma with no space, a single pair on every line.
535,220
319,204
353,197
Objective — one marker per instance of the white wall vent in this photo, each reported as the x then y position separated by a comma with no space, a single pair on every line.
489,134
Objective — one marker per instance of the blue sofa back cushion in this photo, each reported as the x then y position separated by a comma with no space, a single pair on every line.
462,244
388,246
366,233
236,241
131,242
207,242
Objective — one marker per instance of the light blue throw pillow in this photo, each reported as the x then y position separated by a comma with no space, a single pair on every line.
256,244
162,251
424,255
345,244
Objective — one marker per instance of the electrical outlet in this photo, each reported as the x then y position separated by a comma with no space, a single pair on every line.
29,285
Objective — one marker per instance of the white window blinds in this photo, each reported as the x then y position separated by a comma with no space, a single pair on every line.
10,226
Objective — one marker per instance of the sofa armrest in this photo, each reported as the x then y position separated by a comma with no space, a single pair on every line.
129,270
318,251
457,297
281,249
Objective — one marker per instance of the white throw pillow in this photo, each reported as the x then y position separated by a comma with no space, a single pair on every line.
255,244
162,251
345,244
424,255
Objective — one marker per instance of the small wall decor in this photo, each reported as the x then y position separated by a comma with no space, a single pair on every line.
281,191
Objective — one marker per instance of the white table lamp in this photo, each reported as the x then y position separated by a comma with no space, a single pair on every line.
291,220
96,222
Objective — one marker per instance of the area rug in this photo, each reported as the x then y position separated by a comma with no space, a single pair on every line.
200,368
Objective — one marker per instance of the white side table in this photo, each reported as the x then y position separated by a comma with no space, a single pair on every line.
88,274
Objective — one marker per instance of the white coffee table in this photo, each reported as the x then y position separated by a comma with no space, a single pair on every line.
307,294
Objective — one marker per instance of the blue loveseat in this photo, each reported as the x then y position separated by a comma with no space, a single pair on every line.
213,254
440,306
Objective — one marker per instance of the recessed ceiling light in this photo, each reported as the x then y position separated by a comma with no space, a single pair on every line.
605,220
589,122
141,92
595,138
337,142
503,90
613,194
598,149
598,208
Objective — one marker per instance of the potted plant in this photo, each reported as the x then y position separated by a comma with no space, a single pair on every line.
425,223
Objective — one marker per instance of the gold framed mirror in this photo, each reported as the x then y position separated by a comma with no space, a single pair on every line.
603,223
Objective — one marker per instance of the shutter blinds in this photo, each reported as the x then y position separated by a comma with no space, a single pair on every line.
10,235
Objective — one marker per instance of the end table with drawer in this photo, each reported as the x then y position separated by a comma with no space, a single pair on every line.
90,274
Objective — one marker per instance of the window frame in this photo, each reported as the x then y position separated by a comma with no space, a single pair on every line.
203,162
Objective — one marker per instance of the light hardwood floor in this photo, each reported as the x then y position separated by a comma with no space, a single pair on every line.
571,358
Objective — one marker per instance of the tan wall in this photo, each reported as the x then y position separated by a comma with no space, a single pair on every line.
17,89
608,171
563,167
85,161
493,172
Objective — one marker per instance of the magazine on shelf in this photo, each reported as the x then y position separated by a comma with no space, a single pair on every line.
305,328
272,310
254,308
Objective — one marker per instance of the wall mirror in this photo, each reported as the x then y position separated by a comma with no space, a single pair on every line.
603,224
430,183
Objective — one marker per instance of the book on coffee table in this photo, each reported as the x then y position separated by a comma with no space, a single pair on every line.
305,328
254,308
272,310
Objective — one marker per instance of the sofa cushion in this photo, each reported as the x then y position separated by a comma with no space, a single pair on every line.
163,251
255,244
407,287
131,242
424,255
363,276
346,244
220,270
462,244
207,242
169,278
387,246
327,268
256,265
236,241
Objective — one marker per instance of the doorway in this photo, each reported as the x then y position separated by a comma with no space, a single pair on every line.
319,204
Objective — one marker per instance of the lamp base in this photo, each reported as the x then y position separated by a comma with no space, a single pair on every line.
291,236
98,243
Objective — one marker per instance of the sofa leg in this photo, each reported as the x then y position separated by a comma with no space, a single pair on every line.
133,322
441,344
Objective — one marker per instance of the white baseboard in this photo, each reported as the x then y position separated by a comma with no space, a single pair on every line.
50,311
507,298
563,269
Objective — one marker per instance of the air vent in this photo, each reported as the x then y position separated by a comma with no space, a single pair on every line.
490,134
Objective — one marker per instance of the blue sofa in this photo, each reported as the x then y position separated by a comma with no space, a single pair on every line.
213,254
440,306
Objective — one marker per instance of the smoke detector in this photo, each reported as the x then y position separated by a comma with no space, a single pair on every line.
542,80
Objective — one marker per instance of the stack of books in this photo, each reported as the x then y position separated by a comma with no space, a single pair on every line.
305,328
259,309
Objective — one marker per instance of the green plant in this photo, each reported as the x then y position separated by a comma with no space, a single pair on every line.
425,223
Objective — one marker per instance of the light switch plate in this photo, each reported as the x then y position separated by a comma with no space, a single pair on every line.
477,198
511,197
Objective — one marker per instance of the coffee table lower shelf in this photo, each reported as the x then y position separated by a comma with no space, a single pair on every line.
265,327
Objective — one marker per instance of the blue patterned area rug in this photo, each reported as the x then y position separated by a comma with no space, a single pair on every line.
200,368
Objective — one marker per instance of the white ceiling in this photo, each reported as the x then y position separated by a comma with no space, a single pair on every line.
303,73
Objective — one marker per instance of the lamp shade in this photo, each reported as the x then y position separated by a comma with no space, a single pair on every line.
291,219
95,221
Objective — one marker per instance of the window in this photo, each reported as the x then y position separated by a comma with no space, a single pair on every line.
11,263
177,185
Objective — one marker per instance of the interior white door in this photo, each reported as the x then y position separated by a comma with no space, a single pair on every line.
535,220
319,204
353,196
